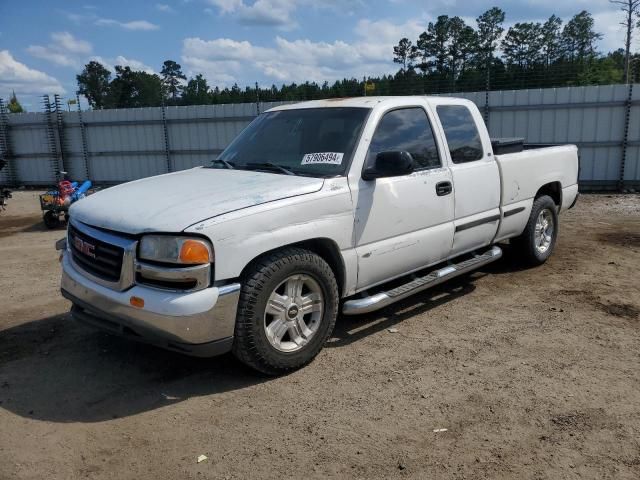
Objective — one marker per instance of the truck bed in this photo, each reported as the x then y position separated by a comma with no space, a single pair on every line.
524,172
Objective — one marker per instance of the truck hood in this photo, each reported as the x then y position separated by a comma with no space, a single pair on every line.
173,202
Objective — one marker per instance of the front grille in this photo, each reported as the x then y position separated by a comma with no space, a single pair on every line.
106,261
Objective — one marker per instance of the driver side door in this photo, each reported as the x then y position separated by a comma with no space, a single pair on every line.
404,223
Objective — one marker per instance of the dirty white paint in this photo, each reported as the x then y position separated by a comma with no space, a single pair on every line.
240,236
524,172
172,202
383,228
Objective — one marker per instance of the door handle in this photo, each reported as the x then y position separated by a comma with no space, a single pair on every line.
443,188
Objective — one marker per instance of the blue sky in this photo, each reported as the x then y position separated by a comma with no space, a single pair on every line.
44,44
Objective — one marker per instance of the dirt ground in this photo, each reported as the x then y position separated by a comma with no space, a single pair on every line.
533,374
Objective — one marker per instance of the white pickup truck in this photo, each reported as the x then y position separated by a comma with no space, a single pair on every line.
319,207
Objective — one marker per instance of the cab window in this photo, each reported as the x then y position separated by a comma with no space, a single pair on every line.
407,130
462,134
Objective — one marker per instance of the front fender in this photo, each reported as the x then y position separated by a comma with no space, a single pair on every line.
239,237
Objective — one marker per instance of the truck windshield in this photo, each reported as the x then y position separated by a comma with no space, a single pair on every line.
312,142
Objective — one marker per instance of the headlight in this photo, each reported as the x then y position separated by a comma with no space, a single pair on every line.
181,250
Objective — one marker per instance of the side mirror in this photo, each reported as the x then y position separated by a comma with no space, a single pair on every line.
389,164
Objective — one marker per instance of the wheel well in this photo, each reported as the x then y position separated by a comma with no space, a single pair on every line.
325,248
554,190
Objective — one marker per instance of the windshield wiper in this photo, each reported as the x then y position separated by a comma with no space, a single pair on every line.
269,165
228,165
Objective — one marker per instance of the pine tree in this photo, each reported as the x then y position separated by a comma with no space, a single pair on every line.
551,47
462,44
171,75
433,43
522,45
490,30
404,53
579,38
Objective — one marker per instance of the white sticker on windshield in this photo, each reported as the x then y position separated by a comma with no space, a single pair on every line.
332,158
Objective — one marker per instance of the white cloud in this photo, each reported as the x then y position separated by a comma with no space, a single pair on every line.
63,50
110,63
49,55
142,25
378,38
261,12
225,60
608,24
69,43
227,6
16,76
78,18
279,13
222,49
217,73
163,7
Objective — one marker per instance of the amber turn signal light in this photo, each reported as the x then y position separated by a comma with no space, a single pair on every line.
137,302
194,252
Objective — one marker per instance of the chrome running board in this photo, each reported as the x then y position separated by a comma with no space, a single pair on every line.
382,299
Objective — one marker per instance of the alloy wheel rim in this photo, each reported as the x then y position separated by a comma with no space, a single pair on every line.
293,313
544,231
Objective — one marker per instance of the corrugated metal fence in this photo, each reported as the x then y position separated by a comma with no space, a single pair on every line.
604,121
112,146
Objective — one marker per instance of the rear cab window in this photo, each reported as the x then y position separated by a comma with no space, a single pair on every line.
461,132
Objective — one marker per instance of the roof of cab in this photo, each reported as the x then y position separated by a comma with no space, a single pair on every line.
357,102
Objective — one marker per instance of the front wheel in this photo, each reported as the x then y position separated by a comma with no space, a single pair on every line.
535,245
51,219
287,309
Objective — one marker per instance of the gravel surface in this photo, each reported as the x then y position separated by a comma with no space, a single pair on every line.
507,373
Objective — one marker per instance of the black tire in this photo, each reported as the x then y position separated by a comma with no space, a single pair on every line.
525,245
251,345
51,219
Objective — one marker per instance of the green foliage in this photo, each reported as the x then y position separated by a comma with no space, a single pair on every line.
522,46
131,89
171,75
432,45
196,92
93,83
578,38
603,71
490,30
404,53
550,40
463,46
14,105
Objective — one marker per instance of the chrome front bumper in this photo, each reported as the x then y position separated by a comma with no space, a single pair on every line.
197,323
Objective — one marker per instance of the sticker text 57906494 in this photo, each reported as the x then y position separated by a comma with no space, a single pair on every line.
332,158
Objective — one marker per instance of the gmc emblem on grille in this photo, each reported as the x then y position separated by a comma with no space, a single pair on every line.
84,247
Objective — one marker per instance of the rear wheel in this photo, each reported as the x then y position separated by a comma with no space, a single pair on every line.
287,310
538,240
